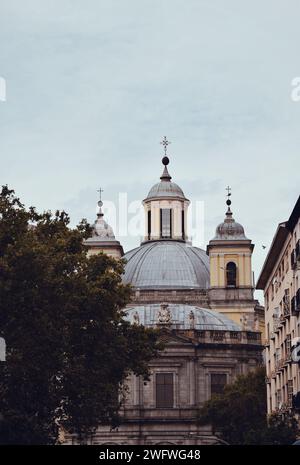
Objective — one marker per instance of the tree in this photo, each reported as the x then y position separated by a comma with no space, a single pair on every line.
69,349
282,429
240,414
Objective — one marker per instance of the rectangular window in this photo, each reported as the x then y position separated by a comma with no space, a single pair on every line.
182,225
288,346
166,223
217,383
164,390
149,224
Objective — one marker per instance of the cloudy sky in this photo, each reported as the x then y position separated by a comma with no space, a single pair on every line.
92,86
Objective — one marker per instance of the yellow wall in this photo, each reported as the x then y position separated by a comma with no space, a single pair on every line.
219,257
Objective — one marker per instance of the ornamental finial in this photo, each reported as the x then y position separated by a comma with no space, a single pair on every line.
165,142
100,203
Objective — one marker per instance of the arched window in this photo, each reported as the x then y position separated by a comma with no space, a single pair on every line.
231,274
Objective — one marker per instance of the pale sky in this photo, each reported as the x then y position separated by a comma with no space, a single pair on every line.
93,86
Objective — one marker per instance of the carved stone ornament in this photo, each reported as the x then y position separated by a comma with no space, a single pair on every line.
164,315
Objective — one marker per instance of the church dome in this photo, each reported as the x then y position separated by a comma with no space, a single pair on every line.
102,237
167,265
230,229
101,231
181,316
165,188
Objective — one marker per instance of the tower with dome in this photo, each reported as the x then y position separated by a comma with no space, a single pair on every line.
203,302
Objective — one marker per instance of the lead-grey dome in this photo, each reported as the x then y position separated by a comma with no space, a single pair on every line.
167,264
165,189
101,231
230,229
182,317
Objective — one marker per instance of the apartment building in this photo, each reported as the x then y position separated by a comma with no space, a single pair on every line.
280,281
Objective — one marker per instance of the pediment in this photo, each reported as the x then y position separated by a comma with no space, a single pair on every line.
170,337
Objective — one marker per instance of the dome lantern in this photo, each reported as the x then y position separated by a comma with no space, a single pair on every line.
165,207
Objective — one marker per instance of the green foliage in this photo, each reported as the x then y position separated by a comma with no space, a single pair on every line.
69,349
240,414
282,429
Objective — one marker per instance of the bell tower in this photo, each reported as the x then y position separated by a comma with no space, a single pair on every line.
103,239
231,278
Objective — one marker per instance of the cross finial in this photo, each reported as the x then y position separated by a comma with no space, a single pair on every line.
228,201
100,190
165,142
228,191
100,203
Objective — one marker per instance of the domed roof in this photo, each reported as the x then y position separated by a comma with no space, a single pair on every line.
181,316
165,188
101,230
230,229
102,233
167,265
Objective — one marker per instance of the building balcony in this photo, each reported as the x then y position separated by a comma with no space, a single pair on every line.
287,359
296,401
295,256
286,309
282,319
295,304
284,407
276,324
279,364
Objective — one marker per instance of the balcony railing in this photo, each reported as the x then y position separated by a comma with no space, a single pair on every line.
217,335
282,318
287,358
286,308
295,304
283,407
276,324
295,256
296,401
279,364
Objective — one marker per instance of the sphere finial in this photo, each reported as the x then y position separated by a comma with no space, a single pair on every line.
228,202
100,203
165,161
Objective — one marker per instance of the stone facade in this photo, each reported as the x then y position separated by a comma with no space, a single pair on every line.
192,357
204,304
280,281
